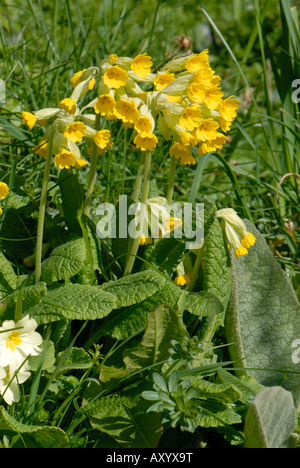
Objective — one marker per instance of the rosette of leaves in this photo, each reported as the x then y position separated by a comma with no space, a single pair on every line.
176,401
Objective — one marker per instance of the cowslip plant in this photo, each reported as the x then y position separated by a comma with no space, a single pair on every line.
141,298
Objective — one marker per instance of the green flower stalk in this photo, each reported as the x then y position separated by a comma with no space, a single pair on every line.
42,209
134,245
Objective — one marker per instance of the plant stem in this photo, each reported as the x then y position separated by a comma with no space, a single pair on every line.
138,180
134,245
196,268
93,172
42,209
171,181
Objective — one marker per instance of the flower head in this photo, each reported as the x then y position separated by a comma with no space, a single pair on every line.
197,61
75,131
163,79
102,140
236,232
18,341
65,159
141,65
105,105
115,77
146,141
4,190
143,125
126,111
9,383
28,119
68,105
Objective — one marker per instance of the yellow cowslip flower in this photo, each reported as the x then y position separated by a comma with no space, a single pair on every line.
163,79
1,212
178,150
224,124
115,77
236,231
212,145
28,119
248,240
105,105
75,131
190,117
187,159
141,65
207,130
113,58
170,224
81,162
68,105
205,77
196,92
4,190
41,149
76,80
143,125
183,280
227,108
145,142
145,240
126,111
197,61
102,140
65,159
212,98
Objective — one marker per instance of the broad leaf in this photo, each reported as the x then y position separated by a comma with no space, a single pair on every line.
217,272
64,262
271,419
74,302
135,288
263,319
124,420
8,278
32,436
163,326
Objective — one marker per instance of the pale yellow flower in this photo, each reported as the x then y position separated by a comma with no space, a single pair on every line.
141,65
65,159
29,119
115,77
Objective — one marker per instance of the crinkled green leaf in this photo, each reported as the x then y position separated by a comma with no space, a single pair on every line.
31,296
263,319
8,278
124,322
64,262
32,436
74,302
135,288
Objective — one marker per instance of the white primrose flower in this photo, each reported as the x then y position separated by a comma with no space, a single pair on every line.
18,341
9,383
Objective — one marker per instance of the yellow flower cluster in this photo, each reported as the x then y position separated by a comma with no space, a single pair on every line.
4,191
183,100
69,127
